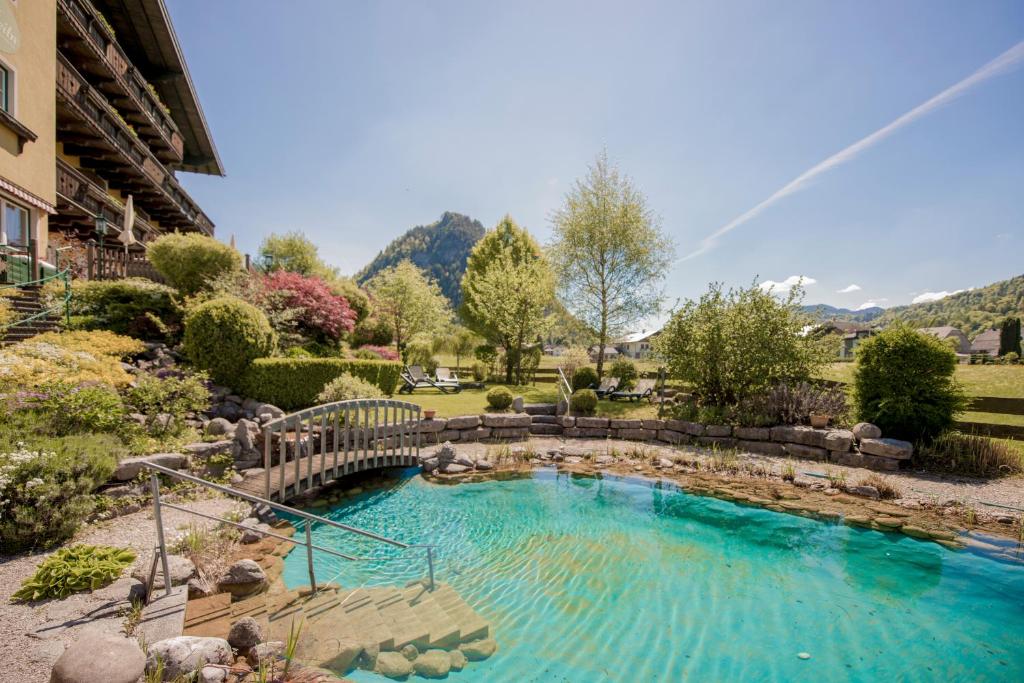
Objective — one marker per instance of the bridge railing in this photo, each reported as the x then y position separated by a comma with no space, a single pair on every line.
335,439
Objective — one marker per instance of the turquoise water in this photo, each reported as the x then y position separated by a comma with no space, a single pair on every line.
622,580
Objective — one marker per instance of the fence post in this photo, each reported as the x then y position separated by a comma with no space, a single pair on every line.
90,257
33,261
154,481
430,566
309,558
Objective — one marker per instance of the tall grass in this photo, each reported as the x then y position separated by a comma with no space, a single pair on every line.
969,454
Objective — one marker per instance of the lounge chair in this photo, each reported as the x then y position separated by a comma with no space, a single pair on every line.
446,375
606,387
644,389
414,378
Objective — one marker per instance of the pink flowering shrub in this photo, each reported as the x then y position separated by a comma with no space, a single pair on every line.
315,308
370,352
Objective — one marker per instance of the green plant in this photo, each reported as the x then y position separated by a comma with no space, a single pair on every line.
584,378
346,387
73,569
136,307
1011,358
583,401
788,472
420,351
224,335
291,383
968,454
626,372
189,260
166,400
836,478
903,382
499,398
479,372
81,409
46,487
794,403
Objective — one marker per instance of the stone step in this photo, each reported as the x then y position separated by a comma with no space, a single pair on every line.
471,625
358,606
399,617
540,408
444,632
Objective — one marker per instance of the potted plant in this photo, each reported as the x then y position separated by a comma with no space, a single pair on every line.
429,413
819,420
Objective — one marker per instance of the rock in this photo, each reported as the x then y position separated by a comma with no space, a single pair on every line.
517,404
393,665
478,650
265,652
129,468
889,448
246,432
464,460
464,422
433,425
219,426
762,447
753,433
198,588
433,664
625,424
181,569
268,409
866,430
453,468
592,422
183,655
208,449
458,660
718,430
504,420
252,533
838,440
798,450
429,465
212,674
866,491
410,652
245,633
243,578
484,465
99,656
446,453
604,459
665,463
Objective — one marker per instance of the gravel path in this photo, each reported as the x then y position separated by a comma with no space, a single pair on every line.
35,635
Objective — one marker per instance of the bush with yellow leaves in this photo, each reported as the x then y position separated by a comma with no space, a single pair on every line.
70,357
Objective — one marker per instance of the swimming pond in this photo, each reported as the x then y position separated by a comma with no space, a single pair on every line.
614,579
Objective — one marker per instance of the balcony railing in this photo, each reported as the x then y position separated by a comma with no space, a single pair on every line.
109,132
116,263
80,19
80,200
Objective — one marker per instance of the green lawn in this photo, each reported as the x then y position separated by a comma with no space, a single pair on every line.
474,401
1004,381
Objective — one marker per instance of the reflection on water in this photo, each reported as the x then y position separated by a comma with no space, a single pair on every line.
609,579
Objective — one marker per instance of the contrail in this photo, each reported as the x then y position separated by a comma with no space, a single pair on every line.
1001,64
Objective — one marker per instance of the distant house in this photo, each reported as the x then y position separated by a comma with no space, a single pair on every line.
637,345
851,340
962,344
850,333
986,342
610,353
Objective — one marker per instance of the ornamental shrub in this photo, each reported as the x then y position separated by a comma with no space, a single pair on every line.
499,398
294,383
166,400
75,569
189,260
903,382
626,372
224,335
347,387
136,307
584,378
317,311
420,351
46,488
583,401
97,342
70,357
371,352
81,409
374,331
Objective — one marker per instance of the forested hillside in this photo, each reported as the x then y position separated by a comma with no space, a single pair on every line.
440,249
973,311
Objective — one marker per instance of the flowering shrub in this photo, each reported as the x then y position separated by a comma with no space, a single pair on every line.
319,311
376,352
70,357
45,494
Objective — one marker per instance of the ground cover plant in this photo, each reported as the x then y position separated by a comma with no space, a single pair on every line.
74,569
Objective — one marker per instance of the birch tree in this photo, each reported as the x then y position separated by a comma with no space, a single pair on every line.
609,253
408,302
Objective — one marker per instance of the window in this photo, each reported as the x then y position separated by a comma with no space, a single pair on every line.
6,100
15,224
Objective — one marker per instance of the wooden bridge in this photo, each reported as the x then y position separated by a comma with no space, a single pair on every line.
313,447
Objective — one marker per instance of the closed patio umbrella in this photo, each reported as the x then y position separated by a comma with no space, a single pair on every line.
127,235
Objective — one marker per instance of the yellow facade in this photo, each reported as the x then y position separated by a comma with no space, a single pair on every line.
28,49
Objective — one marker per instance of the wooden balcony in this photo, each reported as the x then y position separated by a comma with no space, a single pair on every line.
81,198
90,128
86,38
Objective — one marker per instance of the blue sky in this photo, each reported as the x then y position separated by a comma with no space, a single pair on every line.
353,121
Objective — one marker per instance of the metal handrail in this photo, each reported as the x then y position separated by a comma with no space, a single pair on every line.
564,388
63,275
308,520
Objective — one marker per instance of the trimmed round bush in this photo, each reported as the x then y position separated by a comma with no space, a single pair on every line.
189,260
347,387
903,382
499,398
626,372
583,401
224,335
584,378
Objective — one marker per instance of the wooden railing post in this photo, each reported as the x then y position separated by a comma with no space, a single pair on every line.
90,255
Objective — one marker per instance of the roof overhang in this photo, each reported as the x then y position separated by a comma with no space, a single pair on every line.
144,30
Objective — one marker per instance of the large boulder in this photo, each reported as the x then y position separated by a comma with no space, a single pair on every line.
866,430
129,468
219,426
433,664
181,569
185,655
889,448
445,454
838,439
393,665
245,633
246,433
99,656
479,650
243,578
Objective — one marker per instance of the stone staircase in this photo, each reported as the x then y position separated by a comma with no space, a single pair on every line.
25,304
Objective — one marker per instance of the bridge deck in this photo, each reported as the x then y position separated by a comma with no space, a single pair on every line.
318,470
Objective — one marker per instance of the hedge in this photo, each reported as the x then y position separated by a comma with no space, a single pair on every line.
294,383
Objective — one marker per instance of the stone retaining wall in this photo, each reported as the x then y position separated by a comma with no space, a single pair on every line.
861,447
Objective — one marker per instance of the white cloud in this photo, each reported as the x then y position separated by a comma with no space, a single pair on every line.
1001,64
848,289
933,296
785,285
867,304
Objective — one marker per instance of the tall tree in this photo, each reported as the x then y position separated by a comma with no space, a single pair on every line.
506,291
408,302
609,253
1009,337
294,252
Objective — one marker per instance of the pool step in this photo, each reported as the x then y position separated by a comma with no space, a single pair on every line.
471,625
444,631
398,615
